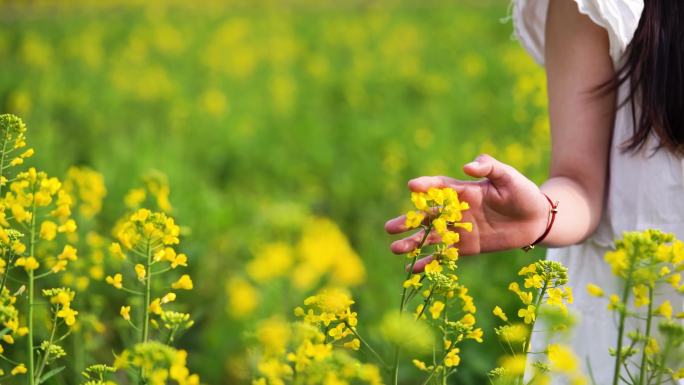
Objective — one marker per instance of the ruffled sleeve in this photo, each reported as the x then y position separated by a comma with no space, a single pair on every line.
619,17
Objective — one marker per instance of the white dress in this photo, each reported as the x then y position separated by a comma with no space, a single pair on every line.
643,192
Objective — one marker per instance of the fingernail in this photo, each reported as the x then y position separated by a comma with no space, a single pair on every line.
473,164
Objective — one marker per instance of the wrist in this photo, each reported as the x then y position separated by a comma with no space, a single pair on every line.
543,222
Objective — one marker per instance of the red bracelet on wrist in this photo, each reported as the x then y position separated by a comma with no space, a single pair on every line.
549,224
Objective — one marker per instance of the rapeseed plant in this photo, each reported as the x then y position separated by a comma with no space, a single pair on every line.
35,217
649,264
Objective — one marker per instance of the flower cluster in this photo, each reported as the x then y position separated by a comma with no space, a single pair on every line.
445,303
97,374
147,239
159,363
321,254
649,264
35,228
544,294
331,310
315,348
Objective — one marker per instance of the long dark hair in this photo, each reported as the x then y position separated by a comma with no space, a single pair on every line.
654,67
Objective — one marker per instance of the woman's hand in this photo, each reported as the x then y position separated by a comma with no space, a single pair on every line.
507,210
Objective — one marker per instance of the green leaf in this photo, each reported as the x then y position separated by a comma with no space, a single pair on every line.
51,373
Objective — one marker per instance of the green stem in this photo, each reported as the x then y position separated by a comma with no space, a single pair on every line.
526,345
367,345
146,305
661,364
47,351
2,157
32,247
642,369
395,361
621,324
148,294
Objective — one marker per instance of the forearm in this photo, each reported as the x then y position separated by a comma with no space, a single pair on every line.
579,210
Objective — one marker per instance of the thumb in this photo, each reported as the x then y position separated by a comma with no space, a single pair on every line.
485,166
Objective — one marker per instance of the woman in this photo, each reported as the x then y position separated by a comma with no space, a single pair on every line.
615,71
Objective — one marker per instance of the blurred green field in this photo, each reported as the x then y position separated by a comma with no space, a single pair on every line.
264,115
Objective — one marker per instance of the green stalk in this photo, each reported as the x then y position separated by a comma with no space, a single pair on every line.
621,325
47,351
148,294
146,304
526,346
649,317
29,346
395,363
370,348
32,244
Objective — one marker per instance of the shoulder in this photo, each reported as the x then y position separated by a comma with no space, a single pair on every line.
620,18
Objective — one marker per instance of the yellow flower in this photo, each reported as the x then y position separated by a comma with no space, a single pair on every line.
243,298
419,200
68,314
414,219
436,195
155,306
29,263
468,320
48,230
134,198
115,250
594,290
413,282
652,347
440,225
421,365
436,309
641,295
168,297
514,365
536,281
19,369
614,301
450,237
617,260
475,335
180,260
354,344
433,267
555,297
562,359
452,358
183,283
665,309
68,254
126,312
140,271
528,314
530,269
451,253
500,313
68,227
419,311
115,281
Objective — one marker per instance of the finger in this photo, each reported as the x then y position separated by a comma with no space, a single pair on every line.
410,243
420,264
398,225
485,166
424,183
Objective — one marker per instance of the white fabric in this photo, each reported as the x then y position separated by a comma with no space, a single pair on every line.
645,190
619,17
